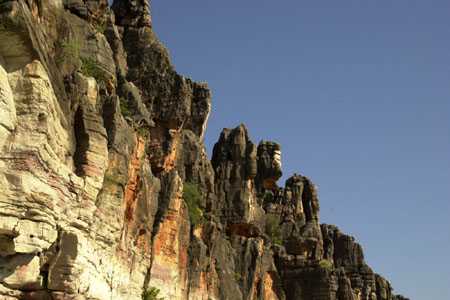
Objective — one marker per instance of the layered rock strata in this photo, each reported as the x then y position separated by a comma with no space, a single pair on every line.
99,138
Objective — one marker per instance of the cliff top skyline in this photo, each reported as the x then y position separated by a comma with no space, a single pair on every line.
112,185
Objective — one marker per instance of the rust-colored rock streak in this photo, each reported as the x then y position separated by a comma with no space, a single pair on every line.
131,188
269,292
170,252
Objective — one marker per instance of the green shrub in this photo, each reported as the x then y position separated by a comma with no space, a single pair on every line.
273,229
70,51
237,276
143,132
325,264
192,197
125,107
151,294
90,68
112,179
101,27
268,196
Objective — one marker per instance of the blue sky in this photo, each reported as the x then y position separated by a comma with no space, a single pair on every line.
358,95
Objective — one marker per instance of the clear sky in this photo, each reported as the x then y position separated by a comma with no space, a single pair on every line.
358,95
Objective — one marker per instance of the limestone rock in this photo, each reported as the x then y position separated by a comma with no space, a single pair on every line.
7,108
98,136
269,165
21,272
132,13
234,162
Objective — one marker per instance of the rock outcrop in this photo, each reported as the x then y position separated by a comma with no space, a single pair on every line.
100,139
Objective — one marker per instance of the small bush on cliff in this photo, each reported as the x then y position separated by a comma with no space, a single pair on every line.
101,27
268,197
125,107
237,276
325,264
70,51
90,67
273,229
192,197
151,294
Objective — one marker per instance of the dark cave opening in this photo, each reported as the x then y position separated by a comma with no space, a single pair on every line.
82,143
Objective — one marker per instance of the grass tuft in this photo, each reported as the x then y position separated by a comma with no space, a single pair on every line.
192,197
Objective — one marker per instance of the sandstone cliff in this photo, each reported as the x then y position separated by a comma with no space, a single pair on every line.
106,191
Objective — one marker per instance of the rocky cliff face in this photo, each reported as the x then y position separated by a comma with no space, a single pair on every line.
106,190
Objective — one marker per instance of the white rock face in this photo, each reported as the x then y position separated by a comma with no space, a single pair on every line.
22,272
7,108
277,159
45,207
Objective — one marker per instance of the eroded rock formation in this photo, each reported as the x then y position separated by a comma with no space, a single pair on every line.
98,137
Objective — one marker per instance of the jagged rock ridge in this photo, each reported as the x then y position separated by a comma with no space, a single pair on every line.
98,137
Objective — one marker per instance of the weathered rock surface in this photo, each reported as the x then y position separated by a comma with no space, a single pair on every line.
99,136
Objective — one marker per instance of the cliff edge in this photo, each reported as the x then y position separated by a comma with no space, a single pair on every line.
106,191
